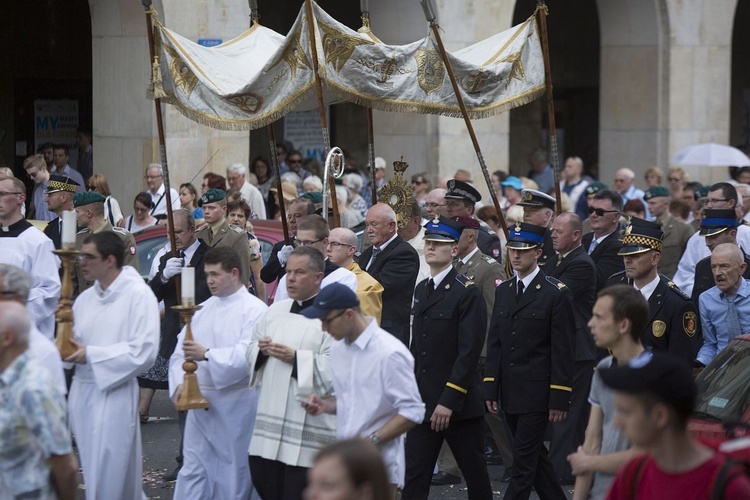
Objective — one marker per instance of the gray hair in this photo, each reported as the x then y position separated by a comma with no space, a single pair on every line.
15,280
353,182
158,168
15,317
237,168
313,181
291,178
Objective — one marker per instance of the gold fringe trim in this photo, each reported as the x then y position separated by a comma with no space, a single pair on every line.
156,81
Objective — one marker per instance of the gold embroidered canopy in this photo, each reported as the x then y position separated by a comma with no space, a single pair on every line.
259,76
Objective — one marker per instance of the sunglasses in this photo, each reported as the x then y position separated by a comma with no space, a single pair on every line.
600,211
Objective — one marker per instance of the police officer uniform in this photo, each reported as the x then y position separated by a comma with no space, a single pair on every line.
536,199
530,365
673,326
58,183
448,333
131,251
487,240
712,223
225,235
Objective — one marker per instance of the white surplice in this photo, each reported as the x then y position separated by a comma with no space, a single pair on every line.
216,440
120,328
284,431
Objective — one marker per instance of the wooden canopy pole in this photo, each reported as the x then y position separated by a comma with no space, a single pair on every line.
542,11
322,109
429,13
365,9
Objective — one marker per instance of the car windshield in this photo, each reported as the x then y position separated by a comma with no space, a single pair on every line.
723,391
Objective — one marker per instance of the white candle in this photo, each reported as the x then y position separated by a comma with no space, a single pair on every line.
69,229
187,286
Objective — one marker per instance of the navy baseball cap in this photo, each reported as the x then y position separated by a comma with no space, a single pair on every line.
331,298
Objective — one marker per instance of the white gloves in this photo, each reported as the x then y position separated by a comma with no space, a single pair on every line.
283,254
172,268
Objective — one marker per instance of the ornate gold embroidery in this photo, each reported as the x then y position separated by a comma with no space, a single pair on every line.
338,47
294,56
516,69
430,70
183,76
249,102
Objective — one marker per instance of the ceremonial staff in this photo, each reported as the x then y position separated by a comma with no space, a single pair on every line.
429,13
322,109
275,170
364,7
162,141
542,11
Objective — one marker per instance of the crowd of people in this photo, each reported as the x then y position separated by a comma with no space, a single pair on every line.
437,346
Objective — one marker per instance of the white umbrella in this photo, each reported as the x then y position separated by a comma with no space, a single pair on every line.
711,155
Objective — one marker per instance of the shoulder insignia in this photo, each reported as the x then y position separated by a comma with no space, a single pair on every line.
236,229
464,280
559,284
488,259
498,281
672,286
120,230
132,249
83,231
689,321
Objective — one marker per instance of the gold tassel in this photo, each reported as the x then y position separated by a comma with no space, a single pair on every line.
156,81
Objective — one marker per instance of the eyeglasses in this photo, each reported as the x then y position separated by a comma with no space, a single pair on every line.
600,211
327,321
675,179
336,244
8,193
293,161
419,181
151,176
620,181
434,205
308,243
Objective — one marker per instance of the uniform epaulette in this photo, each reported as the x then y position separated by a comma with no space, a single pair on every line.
618,273
488,259
83,231
556,282
120,230
464,280
235,229
672,286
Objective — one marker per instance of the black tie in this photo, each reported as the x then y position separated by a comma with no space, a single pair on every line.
520,290
430,287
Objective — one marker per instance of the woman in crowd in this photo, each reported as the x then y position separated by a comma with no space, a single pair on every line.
422,187
634,208
141,218
654,177
112,212
352,469
189,201
262,172
349,217
312,184
215,181
353,183
238,214
677,179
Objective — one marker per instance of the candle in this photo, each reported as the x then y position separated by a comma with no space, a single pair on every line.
187,286
69,229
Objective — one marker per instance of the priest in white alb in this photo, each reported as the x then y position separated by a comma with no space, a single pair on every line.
216,440
116,326
289,360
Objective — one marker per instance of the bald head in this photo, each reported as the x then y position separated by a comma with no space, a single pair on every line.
728,265
15,325
434,203
342,244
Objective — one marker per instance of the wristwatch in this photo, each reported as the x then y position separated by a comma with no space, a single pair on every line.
374,438
205,354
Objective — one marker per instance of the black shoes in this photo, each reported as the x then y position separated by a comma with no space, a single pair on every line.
444,478
172,476
492,457
506,476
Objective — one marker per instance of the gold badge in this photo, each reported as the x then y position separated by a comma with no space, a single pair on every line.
538,287
527,196
689,323
561,285
658,328
628,230
518,227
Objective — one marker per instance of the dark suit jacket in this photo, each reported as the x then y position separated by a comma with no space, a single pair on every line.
530,347
53,232
605,256
168,293
273,269
578,272
447,342
549,256
396,268
673,327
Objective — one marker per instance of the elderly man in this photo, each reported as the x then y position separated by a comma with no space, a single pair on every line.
461,199
625,185
89,208
603,243
275,267
574,267
539,210
721,196
157,190
676,233
725,308
673,323
216,441
376,394
36,169
38,459
289,361
574,185
342,245
103,403
60,166
218,233
434,203
312,231
59,199
394,264
22,245
237,179
718,226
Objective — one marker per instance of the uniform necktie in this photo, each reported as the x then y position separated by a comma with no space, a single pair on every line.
430,287
733,320
520,289
459,265
593,245
210,235
559,259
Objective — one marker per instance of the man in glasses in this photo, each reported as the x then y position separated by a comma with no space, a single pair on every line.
342,245
603,243
435,203
376,395
24,246
59,198
312,231
275,267
36,169
157,190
